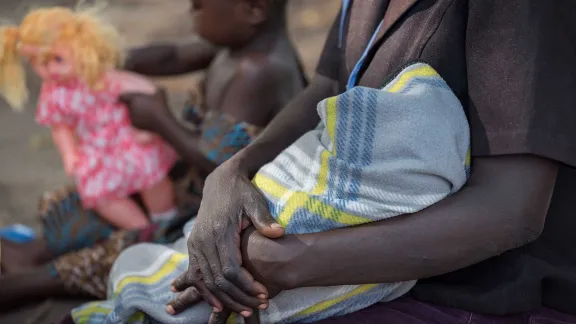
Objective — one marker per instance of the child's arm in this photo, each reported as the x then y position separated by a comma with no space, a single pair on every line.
152,113
252,96
65,140
171,59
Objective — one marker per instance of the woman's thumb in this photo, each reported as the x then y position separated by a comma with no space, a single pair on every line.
257,211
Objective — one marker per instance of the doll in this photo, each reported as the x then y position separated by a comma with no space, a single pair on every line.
76,56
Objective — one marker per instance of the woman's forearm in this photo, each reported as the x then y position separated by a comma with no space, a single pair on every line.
185,142
502,207
297,118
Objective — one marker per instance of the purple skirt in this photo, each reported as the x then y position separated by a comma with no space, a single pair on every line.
410,311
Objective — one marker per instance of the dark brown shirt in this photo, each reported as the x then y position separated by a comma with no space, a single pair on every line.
512,64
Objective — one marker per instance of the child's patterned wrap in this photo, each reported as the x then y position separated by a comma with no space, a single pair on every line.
378,153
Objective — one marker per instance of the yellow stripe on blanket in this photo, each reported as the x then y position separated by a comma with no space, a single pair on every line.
269,186
94,308
89,310
233,319
331,120
421,72
168,267
331,302
299,200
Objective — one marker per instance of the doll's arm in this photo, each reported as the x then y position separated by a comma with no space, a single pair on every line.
143,137
127,82
65,140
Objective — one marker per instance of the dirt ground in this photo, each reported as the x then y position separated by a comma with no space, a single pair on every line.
29,163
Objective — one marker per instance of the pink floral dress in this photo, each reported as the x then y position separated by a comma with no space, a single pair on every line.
112,164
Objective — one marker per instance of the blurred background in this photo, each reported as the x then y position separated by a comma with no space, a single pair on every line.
29,161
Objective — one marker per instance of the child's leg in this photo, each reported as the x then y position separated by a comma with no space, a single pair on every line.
16,257
159,199
124,213
39,283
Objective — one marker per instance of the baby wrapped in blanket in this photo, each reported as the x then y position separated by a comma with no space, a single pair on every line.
377,153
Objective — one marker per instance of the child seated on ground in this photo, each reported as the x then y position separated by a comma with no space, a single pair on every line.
252,75
377,153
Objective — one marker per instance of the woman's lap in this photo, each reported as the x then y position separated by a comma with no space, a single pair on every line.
410,311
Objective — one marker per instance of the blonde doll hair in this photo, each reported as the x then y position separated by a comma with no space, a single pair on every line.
95,45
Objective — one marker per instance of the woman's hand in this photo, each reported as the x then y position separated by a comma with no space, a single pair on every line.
147,112
190,295
267,260
262,253
230,204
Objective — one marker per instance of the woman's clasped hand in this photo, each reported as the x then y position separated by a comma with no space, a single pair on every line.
231,204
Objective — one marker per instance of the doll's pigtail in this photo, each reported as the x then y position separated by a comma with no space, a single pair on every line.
12,74
96,47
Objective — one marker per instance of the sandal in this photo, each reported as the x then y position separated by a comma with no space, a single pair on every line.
18,233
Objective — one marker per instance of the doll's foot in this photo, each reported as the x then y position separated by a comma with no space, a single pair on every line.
15,257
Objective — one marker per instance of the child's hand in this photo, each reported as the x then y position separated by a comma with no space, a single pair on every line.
71,161
147,111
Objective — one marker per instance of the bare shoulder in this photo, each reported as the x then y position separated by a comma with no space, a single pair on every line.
267,71
258,89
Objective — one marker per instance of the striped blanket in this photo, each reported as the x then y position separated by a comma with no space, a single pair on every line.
377,153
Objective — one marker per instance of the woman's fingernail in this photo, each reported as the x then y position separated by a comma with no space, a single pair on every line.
170,310
261,296
263,306
246,313
173,289
274,225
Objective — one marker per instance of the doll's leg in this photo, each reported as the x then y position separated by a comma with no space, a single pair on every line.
124,213
159,199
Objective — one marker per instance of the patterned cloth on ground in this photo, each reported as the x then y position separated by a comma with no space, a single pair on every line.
378,153
67,224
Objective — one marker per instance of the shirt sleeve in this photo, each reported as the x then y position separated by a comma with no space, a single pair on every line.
329,64
522,78
52,109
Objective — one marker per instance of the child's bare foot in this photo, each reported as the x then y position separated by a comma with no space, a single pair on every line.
16,257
